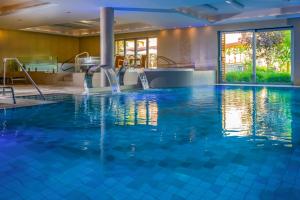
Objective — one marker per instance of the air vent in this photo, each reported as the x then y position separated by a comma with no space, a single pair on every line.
13,8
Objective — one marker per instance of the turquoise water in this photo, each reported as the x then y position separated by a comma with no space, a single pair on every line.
211,142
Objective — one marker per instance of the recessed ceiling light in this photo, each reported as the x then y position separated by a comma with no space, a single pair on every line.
235,3
210,7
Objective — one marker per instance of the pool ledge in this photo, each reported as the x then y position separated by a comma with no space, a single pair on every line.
8,104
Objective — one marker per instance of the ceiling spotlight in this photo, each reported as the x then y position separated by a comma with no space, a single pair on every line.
235,3
210,7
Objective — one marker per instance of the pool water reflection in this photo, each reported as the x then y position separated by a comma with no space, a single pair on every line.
258,112
188,143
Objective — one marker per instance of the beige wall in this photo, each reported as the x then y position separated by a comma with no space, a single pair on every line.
191,45
21,43
90,44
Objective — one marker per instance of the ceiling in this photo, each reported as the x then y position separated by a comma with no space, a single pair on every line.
81,17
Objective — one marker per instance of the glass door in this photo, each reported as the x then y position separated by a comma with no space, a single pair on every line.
258,56
237,57
273,56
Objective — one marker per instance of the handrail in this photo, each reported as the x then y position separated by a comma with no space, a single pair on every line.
24,70
82,53
66,61
77,56
168,60
73,57
66,68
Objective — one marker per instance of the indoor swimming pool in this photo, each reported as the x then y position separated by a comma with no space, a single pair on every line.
210,142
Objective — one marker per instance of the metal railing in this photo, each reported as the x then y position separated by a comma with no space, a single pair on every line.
81,54
167,60
76,59
24,70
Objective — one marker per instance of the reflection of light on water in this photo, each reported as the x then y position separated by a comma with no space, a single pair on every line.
153,113
136,113
130,115
263,114
233,119
237,119
263,93
132,150
142,113
84,145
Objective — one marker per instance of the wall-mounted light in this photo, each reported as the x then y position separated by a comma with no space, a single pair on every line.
235,4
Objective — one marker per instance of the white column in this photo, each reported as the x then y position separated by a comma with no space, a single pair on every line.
106,40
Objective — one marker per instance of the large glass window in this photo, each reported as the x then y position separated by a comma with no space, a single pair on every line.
273,56
260,56
130,51
152,57
140,52
237,57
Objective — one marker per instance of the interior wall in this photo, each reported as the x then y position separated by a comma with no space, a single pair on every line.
90,44
190,45
23,44
198,46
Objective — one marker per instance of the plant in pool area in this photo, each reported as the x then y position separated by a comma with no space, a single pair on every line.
244,76
262,76
273,77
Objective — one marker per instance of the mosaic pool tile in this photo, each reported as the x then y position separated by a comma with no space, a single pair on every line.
189,143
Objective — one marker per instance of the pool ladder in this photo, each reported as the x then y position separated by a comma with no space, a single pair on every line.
5,60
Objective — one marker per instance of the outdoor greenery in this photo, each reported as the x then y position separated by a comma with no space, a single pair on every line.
262,76
273,57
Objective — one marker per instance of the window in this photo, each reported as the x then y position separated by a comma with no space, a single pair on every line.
141,52
259,56
119,48
152,57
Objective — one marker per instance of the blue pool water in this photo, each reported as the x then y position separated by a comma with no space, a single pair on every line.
214,142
